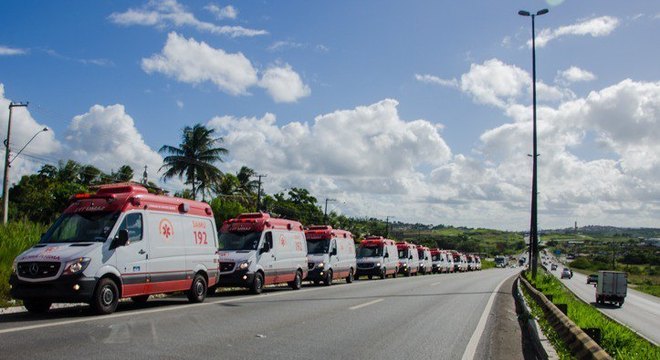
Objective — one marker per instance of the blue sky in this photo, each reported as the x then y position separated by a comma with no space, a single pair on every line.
419,110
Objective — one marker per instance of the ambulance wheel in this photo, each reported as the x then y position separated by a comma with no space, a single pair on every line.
106,297
407,272
198,289
383,273
328,278
297,281
350,277
140,299
36,307
369,277
317,282
396,273
257,284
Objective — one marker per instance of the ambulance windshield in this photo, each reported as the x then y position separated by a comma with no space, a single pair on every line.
81,227
239,240
370,251
436,257
403,253
318,246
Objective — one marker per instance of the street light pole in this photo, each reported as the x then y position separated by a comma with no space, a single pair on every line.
259,191
533,231
5,180
325,213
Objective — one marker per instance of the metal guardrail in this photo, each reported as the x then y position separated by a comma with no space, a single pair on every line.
579,343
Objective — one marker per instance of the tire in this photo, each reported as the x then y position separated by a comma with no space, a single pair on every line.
350,277
408,272
37,307
198,289
317,282
383,273
257,284
297,281
140,299
106,297
328,278
370,277
396,273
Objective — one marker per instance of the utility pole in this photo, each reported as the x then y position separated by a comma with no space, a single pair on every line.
5,181
145,176
387,225
259,190
325,213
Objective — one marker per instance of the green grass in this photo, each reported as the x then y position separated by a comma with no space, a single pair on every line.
487,264
617,340
15,237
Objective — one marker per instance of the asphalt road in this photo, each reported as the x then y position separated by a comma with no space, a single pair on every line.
424,317
640,312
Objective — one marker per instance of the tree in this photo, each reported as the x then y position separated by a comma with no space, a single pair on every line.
247,184
194,158
89,175
124,174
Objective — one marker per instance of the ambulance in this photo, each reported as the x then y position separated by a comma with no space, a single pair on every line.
438,261
377,256
120,242
257,250
408,258
424,254
330,255
449,264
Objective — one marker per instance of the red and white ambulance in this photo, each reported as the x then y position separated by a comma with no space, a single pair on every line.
330,254
120,242
257,250
408,258
424,254
377,256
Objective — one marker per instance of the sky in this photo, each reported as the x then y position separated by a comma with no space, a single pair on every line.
419,111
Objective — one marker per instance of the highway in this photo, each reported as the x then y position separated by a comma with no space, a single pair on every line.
423,317
640,312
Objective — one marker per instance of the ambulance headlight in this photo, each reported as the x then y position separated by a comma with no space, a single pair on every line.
320,265
76,266
377,264
244,265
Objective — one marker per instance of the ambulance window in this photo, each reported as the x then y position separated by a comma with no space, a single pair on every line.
133,223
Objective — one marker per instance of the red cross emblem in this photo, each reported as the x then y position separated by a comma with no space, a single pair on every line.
166,229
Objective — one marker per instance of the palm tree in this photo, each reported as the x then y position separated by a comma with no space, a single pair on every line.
194,158
248,185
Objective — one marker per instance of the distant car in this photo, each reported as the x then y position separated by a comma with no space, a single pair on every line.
592,278
553,267
566,273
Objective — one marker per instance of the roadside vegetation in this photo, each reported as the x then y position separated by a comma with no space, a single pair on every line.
15,237
617,340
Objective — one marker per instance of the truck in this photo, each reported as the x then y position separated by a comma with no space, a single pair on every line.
611,287
500,261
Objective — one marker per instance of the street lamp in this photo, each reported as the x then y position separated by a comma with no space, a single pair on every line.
5,188
533,231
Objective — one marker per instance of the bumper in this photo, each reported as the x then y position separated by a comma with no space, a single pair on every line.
375,271
316,274
236,279
58,290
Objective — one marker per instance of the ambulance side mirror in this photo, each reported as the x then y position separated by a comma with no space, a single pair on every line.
410,257
121,239
333,252
386,255
265,248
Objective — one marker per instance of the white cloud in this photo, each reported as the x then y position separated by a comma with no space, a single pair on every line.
23,128
499,84
596,27
574,74
106,137
284,45
194,62
283,84
227,12
9,51
169,13
346,145
430,79
179,104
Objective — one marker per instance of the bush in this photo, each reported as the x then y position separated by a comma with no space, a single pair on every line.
15,237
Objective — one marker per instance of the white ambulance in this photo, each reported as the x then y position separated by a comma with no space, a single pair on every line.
408,258
424,254
330,254
377,256
120,242
257,250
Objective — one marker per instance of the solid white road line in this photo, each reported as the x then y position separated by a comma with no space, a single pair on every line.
365,304
471,348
